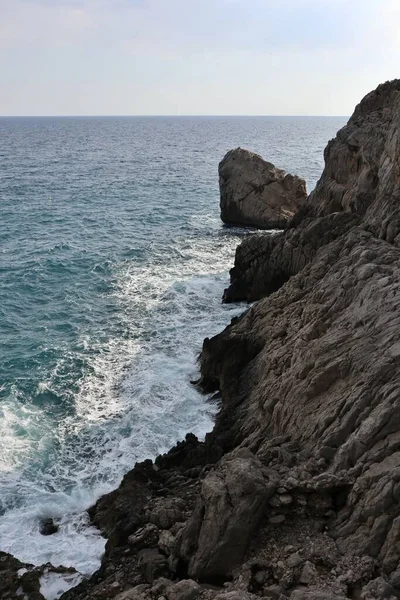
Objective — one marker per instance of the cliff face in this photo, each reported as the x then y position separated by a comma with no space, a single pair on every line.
255,193
361,178
296,491
362,165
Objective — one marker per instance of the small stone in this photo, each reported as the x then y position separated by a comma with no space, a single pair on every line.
272,591
260,577
166,542
116,584
286,499
308,574
274,501
292,482
277,519
281,490
294,560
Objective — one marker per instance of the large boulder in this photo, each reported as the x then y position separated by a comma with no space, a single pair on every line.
231,504
257,194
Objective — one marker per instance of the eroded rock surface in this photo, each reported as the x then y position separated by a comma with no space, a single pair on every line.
256,193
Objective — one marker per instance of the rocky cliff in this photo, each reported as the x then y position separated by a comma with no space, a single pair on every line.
255,193
296,491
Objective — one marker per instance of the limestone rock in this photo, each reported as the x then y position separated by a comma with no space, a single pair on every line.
232,502
362,164
255,193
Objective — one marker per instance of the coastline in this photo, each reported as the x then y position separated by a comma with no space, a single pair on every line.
295,491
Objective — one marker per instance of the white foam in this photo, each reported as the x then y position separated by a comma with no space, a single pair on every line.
53,585
136,401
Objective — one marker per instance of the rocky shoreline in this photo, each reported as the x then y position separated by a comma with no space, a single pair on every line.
296,491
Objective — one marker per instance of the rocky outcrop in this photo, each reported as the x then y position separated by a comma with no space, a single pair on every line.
362,165
263,263
24,581
361,177
231,505
255,193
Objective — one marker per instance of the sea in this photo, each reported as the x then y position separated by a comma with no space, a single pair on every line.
113,262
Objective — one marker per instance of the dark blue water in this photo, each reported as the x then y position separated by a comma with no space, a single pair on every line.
112,262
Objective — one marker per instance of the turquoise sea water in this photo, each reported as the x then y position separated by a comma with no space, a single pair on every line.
113,261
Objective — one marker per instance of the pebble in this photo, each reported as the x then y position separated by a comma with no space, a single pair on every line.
286,499
276,519
294,560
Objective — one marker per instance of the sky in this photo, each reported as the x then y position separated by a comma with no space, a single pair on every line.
194,57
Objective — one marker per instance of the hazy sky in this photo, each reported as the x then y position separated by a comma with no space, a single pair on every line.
123,57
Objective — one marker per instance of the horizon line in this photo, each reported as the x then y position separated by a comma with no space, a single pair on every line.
168,116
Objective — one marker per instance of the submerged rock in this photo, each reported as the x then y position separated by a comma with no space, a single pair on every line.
257,194
48,527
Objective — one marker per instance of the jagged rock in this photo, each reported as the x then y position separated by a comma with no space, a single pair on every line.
232,502
166,542
255,193
263,263
166,513
18,579
145,537
362,164
308,574
120,513
378,589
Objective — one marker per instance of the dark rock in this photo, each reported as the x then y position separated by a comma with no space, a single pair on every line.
378,589
152,565
145,537
232,502
255,193
264,263
48,527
